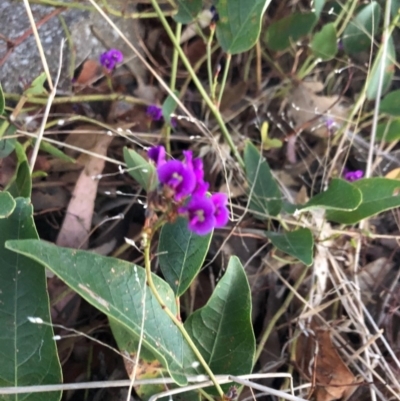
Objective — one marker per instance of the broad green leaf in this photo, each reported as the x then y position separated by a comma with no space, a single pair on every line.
140,169
299,244
222,329
239,23
116,288
187,10
181,254
21,183
169,107
280,34
318,7
361,30
390,104
54,151
378,194
324,43
265,196
388,71
388,131
7,138
37,86
340,195
28,352
148,367
7,204
2,100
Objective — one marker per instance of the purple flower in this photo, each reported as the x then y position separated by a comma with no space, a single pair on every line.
157,154
154,112
221,212
200,212
178,177
111,58
352,175
215,15
197,165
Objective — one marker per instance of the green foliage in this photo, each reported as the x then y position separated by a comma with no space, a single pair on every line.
181,254
21,183
390,104
265,196
169,107
280,34
222,329
239,23
187,10
7,204
28,352
378,194
37,86
140,169
118,289
340,195
324,43
389,130
388,66
359,33
299,244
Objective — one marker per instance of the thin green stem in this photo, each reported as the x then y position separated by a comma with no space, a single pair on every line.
78,98
176,321
224,77
198,84
209,64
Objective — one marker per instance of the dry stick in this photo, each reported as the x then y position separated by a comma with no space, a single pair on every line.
39,44
364,223
46,113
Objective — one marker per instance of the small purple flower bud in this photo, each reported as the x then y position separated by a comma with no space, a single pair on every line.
111,58
157,154
353,175
178,177
215,15
154,112
200,212
221,212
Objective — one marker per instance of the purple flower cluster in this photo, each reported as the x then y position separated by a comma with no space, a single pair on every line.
111,58
183,182
352,175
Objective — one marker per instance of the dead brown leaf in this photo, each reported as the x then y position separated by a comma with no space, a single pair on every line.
78,219
333,379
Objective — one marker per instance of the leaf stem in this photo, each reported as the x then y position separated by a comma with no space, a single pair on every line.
224,78
176,321
200,88
209,66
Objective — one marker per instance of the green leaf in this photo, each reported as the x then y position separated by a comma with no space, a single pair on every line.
340,195
318,7
169,107
265,196
378,194
116,288
324,44
37,86
7,143
181,254
388,67
361,30
140,169
222,329
21,183
2,100
299,244
187,10
239,24
54,151
7,204
388,131
280,34
28,352
148,367
390,104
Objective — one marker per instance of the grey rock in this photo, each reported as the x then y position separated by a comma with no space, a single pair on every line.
89,33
